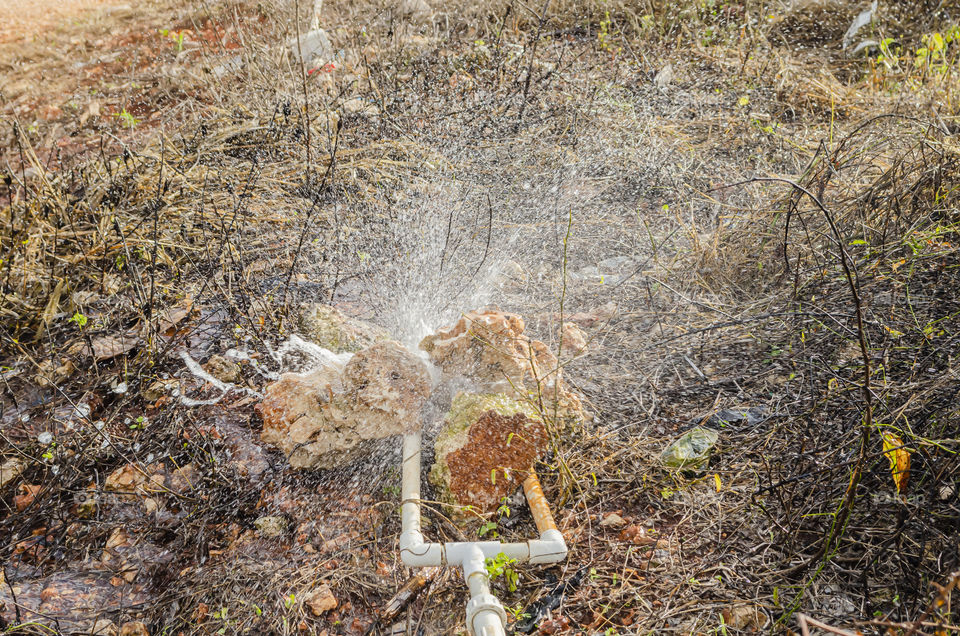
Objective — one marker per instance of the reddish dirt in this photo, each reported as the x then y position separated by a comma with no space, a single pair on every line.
72,70
508,445
21,20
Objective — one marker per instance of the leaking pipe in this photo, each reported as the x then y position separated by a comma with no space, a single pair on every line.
485,614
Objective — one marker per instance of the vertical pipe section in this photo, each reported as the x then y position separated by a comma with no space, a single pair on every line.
551,547
413,551
485,614
410,483
539,507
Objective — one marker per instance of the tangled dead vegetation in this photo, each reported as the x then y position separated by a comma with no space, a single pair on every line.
762,225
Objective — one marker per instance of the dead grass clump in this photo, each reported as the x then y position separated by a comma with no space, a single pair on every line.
888,189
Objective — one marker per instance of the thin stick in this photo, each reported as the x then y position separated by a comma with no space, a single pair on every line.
306,98
806,620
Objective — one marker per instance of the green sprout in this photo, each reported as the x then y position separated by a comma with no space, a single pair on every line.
79,318
128,120
500,566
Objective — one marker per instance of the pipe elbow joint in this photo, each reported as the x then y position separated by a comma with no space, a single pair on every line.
415,553
549,548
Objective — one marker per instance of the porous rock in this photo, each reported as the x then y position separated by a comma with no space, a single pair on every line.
332,329
10,469
488,346
488,445
270,526
322,419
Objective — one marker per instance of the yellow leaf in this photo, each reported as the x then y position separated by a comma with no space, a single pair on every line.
716,479
899,458
893,332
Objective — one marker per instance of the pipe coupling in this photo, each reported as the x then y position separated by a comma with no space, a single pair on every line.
476,608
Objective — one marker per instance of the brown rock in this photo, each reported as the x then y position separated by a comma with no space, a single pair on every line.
11,469
134,628
159,388
613,520
321,419
488,445
183,479
636,535
127,478
321,600
222,369
599,314
489,347
572,338
26,494
749,618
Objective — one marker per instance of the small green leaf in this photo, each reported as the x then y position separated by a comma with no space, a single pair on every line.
79,318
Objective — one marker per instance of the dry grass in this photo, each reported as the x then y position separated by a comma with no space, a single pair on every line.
188,232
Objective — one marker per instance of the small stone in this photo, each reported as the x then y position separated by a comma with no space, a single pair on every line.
64,371
947,491
664,76
637,535
613,520
748,618
10,469
117,539
572,338
223,369
603,313
415,10
321,600
358,106
691,450
270,526
134,628
183,479
103,627
127,478
331,329
159,388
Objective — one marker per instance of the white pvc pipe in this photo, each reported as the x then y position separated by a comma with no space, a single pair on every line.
485,614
